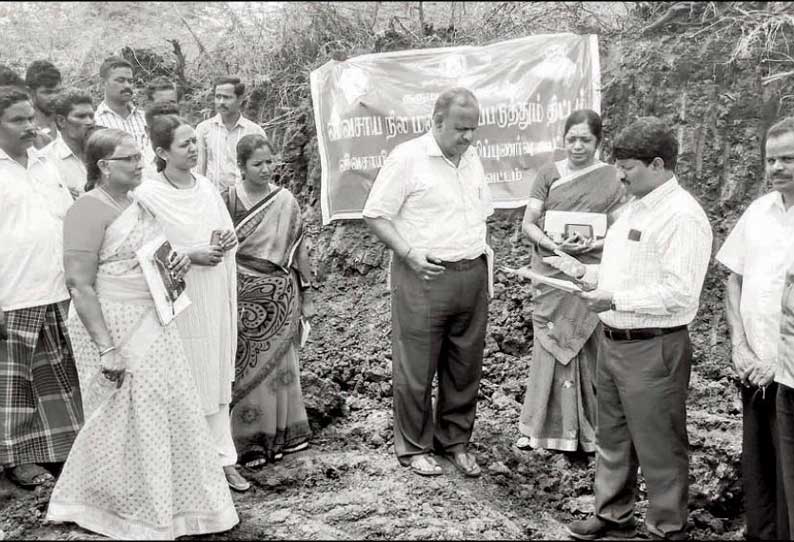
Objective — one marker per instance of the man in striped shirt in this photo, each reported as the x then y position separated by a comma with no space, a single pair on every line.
648,288
117,109
218,136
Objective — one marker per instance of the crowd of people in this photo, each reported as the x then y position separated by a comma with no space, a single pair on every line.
145,423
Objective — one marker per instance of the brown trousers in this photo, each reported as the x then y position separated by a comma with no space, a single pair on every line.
438,327
641,389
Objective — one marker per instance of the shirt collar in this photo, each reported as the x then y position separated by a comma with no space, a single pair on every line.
777,201
34,155
217,119
103,108
62,150
432,148
655,196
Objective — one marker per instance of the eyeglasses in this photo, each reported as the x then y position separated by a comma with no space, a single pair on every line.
138,157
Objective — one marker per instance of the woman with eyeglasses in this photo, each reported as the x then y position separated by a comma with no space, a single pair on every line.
197,223
143,466
268,414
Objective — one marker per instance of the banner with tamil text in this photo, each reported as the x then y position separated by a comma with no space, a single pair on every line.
367,105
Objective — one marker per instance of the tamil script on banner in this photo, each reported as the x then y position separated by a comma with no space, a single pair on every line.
367,105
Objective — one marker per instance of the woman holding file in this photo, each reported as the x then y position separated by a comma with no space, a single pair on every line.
568,211
143,466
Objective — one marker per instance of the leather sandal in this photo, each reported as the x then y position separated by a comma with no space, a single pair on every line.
29,475
465,463
424,465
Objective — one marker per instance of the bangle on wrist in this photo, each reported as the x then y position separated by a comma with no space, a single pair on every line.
106,351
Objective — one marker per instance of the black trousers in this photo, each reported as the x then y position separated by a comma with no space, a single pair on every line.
641,389
785,430
438,327
764,498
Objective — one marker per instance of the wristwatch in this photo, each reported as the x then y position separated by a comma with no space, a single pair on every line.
612,306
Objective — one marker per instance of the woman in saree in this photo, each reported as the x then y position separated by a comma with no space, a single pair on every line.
559,405
197,223
268,415
142,467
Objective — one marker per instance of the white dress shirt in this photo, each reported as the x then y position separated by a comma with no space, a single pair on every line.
70,168
655,259
33,202
760,249
134,124
433,205
217,149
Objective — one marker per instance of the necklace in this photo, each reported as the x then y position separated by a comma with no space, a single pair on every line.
116,203
180,187
255,197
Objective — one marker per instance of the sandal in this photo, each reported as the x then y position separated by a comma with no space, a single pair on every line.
29,475
254,461
235,479
297,448
461,460
523,443
423,465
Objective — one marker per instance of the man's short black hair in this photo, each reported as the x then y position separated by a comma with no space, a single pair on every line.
645,139
159,83
783,126
111,63
66,100
10,78
10,95
164,108
42,73
239,86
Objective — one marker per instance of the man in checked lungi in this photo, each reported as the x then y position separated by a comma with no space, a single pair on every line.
40,406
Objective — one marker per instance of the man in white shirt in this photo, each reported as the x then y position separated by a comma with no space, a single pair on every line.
74,116
648,289
44,83
429,205
758,253
117,109
40,405
217,137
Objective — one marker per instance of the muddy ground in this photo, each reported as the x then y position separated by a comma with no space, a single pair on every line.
348,484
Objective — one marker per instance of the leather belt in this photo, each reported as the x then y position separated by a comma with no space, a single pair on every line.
638,334
460,265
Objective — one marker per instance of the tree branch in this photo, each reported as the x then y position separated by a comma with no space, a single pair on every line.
667,16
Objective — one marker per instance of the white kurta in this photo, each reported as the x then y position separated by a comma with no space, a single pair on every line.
209,326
